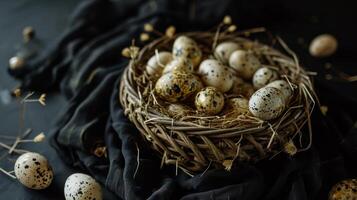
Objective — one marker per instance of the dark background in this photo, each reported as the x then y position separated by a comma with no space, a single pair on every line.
297,22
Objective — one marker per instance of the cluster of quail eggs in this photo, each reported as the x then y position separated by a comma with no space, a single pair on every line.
34,171
231,78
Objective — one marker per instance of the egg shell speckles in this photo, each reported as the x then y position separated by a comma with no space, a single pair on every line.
177,86
215,74
344,190
240,87
224,50
188,48
153,67
33,171
263,76
209,101
238,105
80,186
245,63
283,86
179,64
267,103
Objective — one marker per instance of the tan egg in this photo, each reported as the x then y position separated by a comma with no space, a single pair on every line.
267,103
240,87
245,63
344,190
238,105
323,45
179,64
224,50
178,110
214,73
283,86
153,67
209,101
177,86
263,76
186,47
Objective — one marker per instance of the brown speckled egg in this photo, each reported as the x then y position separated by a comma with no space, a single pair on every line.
263,76
209,101
215,74
33,171
224,50
179,64
153,67
240,87
177,86
80,186
344,190
267,103
245,63
238,105
186,47
283,86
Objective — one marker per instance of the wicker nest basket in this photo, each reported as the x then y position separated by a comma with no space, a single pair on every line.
194,142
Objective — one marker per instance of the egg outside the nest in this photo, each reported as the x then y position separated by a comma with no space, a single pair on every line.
209,101
80,186
186,47
267,103
177,86
33,171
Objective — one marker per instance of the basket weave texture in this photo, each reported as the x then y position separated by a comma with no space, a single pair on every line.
193,141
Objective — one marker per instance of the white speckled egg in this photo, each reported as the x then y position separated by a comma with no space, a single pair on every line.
283,86
245,63
188,48
263,76
238,105
80,186
240,87
179,64
177,86
344,190
153,67
214,73
33,171
209,101
224,50
267,103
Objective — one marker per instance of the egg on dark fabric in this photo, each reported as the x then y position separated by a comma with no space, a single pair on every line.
186,47
33,171
344,190
177,86
209,101
80,186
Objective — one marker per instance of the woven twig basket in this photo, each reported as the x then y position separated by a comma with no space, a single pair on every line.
193,141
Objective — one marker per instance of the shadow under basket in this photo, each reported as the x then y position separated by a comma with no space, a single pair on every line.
193,141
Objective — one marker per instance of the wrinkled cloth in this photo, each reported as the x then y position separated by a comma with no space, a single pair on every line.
85,65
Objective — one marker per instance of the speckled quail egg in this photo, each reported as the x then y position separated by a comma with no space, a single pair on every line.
177,86
178,109
224,50
214,73
80,186
245,63
238,105
283,86
209,101
344,190
153,67
33,171
240,87
186,47
263,76
267,103
179,64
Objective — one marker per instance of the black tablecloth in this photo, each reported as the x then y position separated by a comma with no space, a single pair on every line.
84,64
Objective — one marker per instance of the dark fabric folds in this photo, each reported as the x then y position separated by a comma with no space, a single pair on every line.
85,64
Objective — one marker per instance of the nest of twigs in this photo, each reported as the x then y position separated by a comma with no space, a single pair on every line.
193,141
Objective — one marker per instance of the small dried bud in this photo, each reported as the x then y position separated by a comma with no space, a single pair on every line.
16,63
17,93
227,20
148,27
324,110
134,51
39,138
232,28
323,45
100,151
228,164
290,148
170,31
126,52
42,99
144,37
28,33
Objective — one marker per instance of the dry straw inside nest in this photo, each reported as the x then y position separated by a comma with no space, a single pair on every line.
192,141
